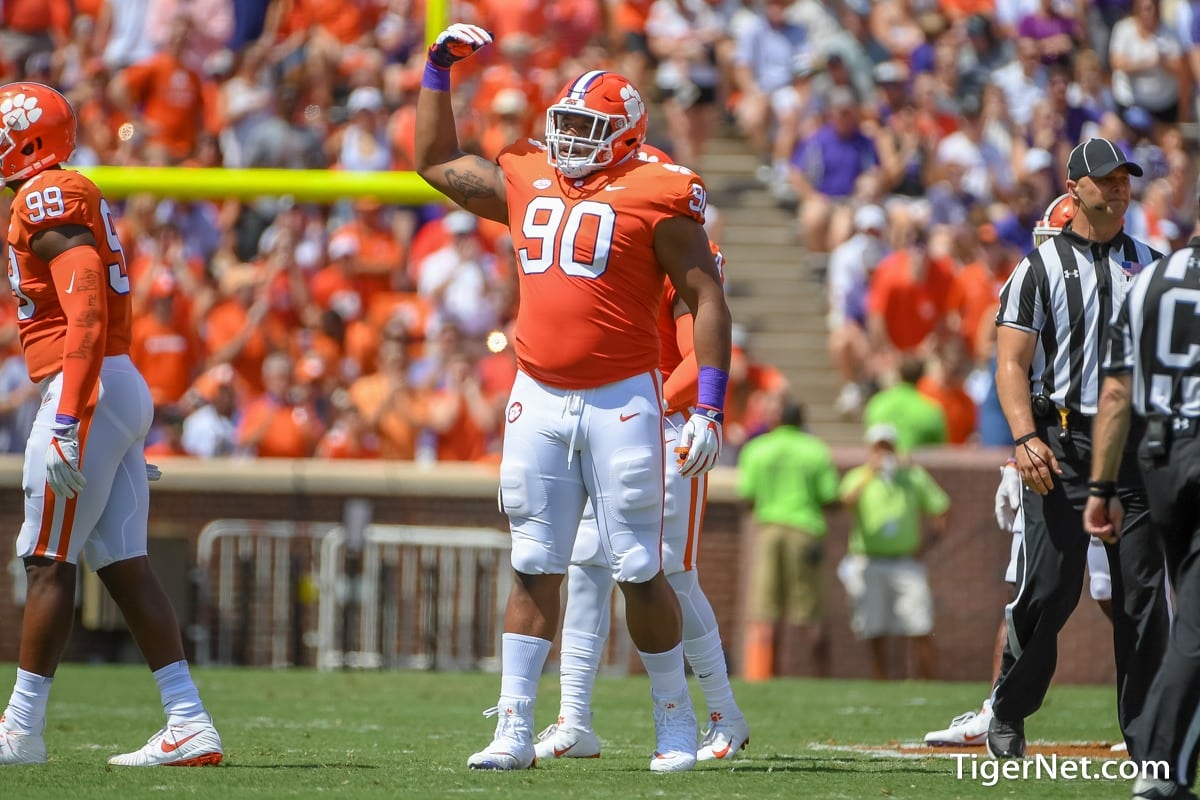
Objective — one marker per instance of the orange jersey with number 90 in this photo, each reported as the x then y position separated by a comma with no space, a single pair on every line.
589,280
51,199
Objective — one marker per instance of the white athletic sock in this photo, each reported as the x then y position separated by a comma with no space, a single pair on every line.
27,706
580,658
180,697
708,663
666,672
521,659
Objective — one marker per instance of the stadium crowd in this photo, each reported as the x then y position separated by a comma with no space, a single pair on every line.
920,141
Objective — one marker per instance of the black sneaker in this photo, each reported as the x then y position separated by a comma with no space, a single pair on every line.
1148,789
1006,739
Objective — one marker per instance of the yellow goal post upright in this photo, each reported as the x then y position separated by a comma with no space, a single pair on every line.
302,185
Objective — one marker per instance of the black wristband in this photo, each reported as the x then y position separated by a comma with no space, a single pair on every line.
1102,489
1025,438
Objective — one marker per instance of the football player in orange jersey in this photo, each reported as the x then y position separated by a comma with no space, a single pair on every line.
586,620
85,476
595,230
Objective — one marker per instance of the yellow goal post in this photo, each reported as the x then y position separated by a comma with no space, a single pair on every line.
302,185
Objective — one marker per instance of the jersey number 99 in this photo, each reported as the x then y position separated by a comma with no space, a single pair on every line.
47,204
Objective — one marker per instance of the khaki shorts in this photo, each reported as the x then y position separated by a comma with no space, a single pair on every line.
895,599
787,575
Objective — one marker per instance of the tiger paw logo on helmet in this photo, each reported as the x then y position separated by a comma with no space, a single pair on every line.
20,111
635,108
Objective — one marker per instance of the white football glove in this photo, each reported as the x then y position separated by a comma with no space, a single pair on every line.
700,442
456,43
62,462
1008,497
153,473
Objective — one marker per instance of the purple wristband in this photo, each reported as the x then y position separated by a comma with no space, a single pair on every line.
435,78
65,419
710,387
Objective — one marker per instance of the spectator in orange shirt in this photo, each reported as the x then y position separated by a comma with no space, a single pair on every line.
751,397
163,345
28,27
172,97
349,436
380,259
281,422
943,383
330,39
391,407
238,331
976,291
336,278
908,301
460,414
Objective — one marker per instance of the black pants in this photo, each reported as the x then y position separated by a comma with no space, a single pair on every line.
1170,725
1050,579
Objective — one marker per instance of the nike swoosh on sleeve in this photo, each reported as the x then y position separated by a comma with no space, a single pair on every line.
71,285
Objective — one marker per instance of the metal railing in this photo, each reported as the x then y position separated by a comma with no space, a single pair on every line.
358,596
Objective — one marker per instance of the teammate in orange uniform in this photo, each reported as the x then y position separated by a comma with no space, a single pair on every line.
590,579
595,230
85,476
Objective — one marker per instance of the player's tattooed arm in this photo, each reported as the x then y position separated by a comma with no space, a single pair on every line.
83,350
473,182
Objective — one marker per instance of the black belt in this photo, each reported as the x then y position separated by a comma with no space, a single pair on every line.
1045,412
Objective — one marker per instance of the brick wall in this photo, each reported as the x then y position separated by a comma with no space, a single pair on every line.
966,567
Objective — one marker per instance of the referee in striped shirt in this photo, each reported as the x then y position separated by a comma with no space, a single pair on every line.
1053,315
1153,358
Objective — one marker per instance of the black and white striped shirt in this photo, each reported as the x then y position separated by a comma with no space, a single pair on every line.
1065,291
1156,335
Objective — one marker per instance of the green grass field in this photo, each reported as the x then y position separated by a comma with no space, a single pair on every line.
305,734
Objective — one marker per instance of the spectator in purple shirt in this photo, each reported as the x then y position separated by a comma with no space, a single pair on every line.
826,170
1054,27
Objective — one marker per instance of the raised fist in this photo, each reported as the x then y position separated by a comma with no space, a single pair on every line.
456,43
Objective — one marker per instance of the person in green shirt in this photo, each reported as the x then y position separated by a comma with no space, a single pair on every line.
919,421
788,478
888,498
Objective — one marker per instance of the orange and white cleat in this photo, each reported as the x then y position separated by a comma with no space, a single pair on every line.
724,739
567,741
194,743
